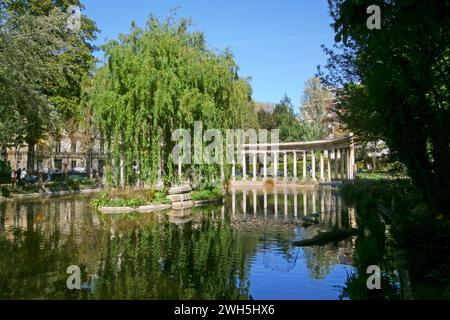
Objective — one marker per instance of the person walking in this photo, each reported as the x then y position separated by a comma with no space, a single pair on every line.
19,175
23,174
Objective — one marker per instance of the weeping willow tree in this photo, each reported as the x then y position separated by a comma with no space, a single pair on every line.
158,79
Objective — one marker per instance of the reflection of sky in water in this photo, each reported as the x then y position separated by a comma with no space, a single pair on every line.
273,276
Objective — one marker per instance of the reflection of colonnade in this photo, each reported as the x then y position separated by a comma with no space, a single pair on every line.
291,204
323,160
62,215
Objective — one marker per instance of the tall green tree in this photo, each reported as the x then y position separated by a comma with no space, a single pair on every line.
28,64
395,84
40,31
315,106
159,79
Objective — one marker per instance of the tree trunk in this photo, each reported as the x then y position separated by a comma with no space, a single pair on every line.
122,167
31,157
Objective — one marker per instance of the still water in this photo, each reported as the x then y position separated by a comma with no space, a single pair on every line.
239,250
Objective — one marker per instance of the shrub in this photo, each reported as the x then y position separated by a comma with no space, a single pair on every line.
211,195
5,192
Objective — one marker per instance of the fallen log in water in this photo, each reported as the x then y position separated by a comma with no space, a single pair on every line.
325,237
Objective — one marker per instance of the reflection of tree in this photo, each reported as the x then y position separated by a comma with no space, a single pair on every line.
134,257
320,260
371,248
165,261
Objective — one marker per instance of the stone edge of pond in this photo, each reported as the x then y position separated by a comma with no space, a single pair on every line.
48,194
153,207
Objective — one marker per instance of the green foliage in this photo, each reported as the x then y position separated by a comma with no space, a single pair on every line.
5,192
423,239
315,106
394,85
117,202
156,80
43,67
208,194
129,198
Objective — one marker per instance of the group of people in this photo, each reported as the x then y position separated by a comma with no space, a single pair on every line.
18,175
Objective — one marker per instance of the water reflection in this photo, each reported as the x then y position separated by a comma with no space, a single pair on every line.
239,250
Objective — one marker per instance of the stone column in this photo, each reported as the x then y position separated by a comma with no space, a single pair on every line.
285,166
347,153
254,166
265,165
321,165
295,166
313,158
329,165
275,166
233,171
335,164
314,202
342,156
304,165
244,166
352,160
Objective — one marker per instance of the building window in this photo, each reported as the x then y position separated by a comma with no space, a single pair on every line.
74,147
58,148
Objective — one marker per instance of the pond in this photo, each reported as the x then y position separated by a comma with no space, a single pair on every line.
240,250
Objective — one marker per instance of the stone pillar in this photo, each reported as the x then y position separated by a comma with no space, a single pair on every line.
285,167
352,160
233,171
313,158
321,165
336,173
295,166
304,165
342,156
314,201
254,166
347,153
244,202
265,165
275,166
329,165
244,166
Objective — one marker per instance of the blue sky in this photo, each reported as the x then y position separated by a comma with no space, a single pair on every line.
277,43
